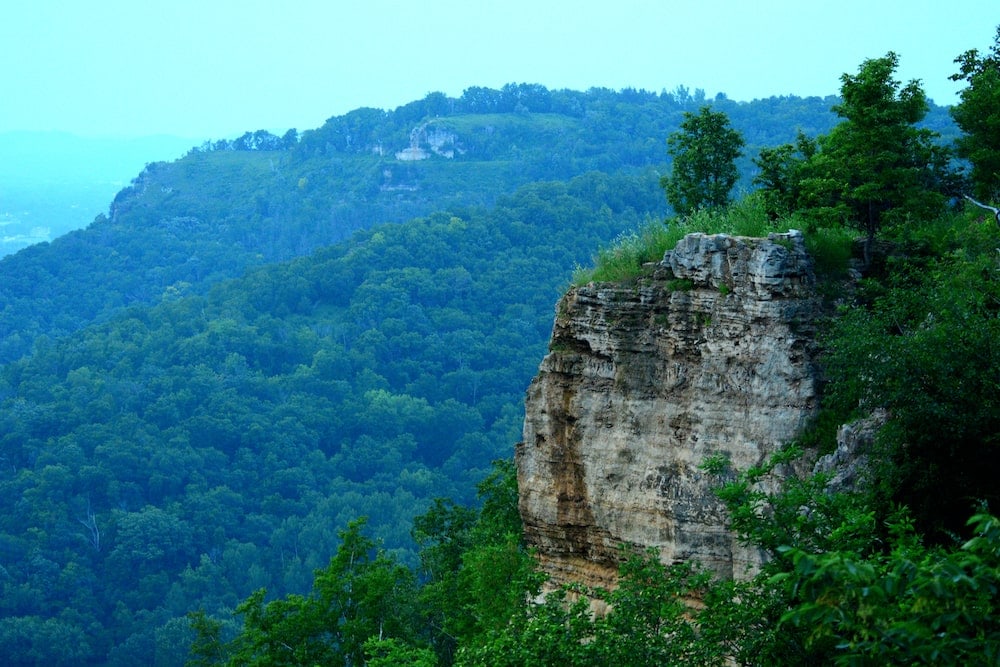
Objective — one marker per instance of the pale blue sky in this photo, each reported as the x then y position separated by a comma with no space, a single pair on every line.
216,68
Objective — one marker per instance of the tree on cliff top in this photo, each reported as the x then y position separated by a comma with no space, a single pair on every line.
884,163
704,150
978,114
875,168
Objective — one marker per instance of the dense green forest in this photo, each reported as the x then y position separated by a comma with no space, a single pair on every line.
231,205
237,430
233,405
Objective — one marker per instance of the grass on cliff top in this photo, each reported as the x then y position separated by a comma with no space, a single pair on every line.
622,260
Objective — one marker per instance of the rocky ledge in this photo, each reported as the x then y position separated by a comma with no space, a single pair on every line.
712,355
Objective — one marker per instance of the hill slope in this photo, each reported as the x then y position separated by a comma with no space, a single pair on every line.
200,388
230,205
179,456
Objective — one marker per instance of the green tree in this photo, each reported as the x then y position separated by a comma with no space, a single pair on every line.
925,350
444,534
207,648
478,573
978,114
394,653
876,167
704,152
914,606
30,640
841,590
648,623
781,173
362,594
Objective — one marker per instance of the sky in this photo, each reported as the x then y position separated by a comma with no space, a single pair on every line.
211,69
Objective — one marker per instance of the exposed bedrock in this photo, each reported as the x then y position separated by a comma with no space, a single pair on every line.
713,354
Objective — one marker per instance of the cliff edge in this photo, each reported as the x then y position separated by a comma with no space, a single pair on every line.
713,354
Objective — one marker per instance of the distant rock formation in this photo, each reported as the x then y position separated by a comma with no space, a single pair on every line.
427,139
712,355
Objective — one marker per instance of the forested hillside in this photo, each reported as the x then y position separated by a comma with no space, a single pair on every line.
230,205
272,337
239,429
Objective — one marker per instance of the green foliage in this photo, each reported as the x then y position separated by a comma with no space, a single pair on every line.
978,115
199,411
745,217
680,285
475,576
801,513
843,590
924,350
187,454
395,653
914,606
703,171
208,647
623,260
478,574
31,640
876,169
361,594
182,226
831,249
835,597
648,623
781,174
885,165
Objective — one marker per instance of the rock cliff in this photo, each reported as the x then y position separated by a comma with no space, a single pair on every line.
712,354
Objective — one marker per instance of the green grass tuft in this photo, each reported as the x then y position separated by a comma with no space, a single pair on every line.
830,248
622,261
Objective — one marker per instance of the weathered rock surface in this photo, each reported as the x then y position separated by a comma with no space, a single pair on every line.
847,465
712,355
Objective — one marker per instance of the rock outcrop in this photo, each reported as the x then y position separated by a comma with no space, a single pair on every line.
426,139
714,354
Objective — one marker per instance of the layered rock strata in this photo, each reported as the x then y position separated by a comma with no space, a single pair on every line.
714,354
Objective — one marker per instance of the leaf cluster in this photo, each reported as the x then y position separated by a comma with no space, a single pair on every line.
978,115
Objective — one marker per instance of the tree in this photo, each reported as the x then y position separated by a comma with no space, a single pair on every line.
704,150
915,606
780,176
360,595
478,574
394,653
649,622
978,114
876,167
924,350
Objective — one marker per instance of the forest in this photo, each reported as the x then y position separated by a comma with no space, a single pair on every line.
262,411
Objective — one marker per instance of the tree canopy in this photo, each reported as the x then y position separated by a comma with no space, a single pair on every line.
978,115
875,168
703,171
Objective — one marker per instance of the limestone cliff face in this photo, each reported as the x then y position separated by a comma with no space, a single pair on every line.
713,354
